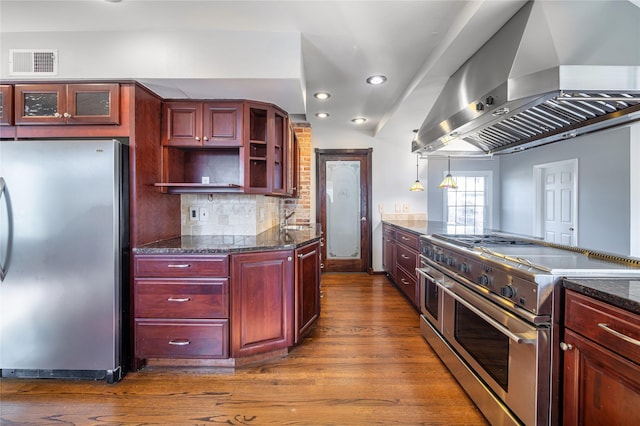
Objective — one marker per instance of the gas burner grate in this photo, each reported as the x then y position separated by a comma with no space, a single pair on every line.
475,240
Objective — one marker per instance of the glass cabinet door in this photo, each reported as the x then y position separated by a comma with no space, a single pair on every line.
40,103
93,103
6,110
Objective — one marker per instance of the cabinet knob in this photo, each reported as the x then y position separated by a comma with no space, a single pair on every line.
566,346
66,115
206,138
57,115
322,266
289,258
300,255
198,138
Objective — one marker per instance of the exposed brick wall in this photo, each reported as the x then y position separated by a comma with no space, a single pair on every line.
302,204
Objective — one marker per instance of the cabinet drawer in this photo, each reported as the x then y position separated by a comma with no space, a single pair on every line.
407,284
182,266
408,239
604,324
189,298
182,339
407,259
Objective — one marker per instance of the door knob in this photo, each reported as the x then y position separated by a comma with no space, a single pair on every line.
363,219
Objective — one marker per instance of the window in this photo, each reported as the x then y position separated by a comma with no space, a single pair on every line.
468,206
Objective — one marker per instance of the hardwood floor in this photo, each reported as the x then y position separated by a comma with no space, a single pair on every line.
365,363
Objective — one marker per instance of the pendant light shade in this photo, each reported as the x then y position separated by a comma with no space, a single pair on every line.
417,186
448,182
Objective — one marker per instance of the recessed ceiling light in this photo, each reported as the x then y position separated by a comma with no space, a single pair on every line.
322,95
322,114
376,79
359,120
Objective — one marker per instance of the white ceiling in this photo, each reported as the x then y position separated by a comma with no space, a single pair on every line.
417,44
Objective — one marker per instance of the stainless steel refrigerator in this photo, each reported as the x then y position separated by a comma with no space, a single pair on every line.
64,251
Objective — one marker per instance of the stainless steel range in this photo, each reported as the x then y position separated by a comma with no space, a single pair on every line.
487,305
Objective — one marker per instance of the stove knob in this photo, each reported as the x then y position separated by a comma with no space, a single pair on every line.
508,291
450,261
484,280
463,267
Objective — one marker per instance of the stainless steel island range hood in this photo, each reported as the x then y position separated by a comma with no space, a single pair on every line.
555,70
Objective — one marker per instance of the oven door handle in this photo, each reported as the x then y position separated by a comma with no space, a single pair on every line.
516,338
424,274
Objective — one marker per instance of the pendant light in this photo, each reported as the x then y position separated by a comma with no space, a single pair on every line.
417,186
448,182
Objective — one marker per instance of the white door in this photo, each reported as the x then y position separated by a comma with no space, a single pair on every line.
557,206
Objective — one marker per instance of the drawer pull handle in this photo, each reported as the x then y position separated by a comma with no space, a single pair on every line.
624,337
404,256
178,299
405,238
405,282
178,265
181,342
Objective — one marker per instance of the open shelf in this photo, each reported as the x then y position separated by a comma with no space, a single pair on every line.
188,187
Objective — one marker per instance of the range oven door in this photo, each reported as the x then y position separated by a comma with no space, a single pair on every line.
509,354
430,284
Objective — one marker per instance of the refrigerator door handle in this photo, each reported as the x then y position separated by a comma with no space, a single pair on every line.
4,263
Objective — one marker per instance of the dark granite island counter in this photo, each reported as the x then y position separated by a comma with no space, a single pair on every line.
225,300
271,239
623,293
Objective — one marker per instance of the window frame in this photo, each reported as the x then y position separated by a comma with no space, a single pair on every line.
488,217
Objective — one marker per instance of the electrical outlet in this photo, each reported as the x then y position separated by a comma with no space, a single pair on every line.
204,214
193,214
205,179
405,207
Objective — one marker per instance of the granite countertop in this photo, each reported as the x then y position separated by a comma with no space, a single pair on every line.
621,292
271,239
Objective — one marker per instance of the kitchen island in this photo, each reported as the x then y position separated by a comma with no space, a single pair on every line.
225,300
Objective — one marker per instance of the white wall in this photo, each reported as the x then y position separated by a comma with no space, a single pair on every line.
605,161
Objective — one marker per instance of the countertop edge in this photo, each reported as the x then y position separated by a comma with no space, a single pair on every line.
603,290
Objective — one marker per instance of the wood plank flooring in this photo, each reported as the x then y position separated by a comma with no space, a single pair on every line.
364,364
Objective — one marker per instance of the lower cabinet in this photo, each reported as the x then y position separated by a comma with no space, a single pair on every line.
181,307
601,363
215,307
307,289
400,255
261,302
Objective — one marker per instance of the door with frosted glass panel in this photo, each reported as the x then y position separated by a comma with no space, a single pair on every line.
344,208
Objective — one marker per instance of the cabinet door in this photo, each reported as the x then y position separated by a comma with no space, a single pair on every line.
600,387
279,149
261,302
182,124
40,103
6,104
293,164
222,124
93,104
307,293
389,251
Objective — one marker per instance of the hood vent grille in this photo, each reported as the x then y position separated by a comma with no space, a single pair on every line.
561,117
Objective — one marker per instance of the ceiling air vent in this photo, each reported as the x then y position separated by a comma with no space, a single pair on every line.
33,62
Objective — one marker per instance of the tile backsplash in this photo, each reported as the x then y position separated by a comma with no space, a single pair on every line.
227,214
